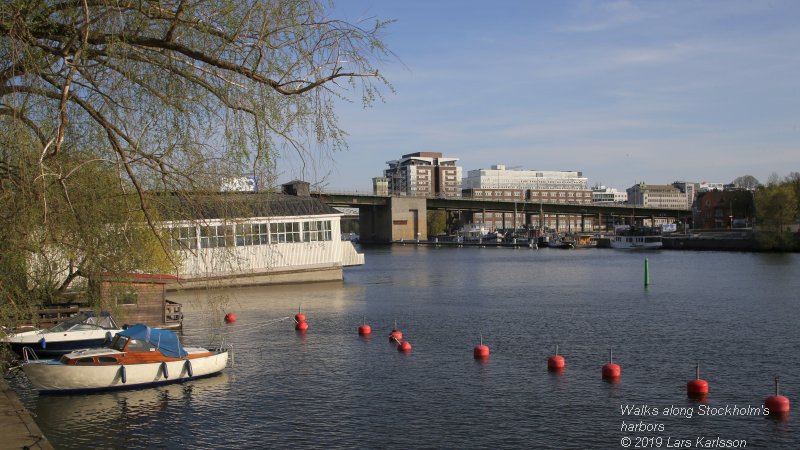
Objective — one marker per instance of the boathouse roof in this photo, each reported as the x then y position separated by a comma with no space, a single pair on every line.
229,205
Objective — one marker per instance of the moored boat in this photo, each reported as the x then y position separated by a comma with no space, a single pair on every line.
585,241
626,237
84,330
562,242
137,357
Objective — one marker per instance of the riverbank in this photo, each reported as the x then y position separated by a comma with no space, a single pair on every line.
16,423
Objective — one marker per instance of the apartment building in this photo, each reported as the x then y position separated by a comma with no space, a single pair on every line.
426,174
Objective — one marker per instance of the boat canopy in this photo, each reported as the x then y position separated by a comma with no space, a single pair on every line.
165,341
103,320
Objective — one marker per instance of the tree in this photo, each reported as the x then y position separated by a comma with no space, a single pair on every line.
776,211
793,180
748,182
437,222
104,102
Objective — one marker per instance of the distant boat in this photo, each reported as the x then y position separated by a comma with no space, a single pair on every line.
626,237
84,330
137,357
556,241
585,241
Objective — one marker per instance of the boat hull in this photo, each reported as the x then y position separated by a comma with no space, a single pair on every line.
52,376
57,348
48,345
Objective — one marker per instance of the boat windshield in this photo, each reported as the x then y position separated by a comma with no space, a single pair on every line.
119,342
85,321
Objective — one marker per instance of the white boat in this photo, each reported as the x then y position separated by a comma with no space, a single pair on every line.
556,241
84,330
626,237
137,357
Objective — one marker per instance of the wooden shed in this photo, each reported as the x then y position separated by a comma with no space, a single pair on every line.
138,298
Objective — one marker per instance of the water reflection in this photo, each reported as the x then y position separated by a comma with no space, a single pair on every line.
72,410
330,387
323,297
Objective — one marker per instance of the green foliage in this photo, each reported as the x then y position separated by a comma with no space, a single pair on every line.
105,103
437,223
776,215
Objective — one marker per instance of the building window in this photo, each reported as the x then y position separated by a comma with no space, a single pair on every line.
184,238
214,236
130,297
251,234
318,230
285,232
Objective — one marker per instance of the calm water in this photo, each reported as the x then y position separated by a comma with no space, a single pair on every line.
736,313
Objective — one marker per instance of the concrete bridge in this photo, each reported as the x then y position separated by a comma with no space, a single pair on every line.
392,218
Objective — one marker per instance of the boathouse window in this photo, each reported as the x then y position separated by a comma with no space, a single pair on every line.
251,234
318,230
285,232
184,238
216,236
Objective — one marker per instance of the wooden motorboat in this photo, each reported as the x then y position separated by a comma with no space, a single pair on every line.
137,357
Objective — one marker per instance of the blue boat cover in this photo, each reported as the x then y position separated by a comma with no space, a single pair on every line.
165,341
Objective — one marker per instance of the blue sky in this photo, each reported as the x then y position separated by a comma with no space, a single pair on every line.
653,91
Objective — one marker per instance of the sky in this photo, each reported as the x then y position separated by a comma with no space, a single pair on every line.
623,91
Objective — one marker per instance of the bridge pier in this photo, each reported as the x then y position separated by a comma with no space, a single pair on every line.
406,218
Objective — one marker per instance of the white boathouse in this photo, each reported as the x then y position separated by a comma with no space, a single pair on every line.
260,238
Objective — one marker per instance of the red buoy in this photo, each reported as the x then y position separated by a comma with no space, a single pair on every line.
777,404
396,335
299,317
697,388
481,351
301,326
611,371
230,318
556,362
404,347
364,329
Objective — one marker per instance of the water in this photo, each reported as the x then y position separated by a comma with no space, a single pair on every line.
737,313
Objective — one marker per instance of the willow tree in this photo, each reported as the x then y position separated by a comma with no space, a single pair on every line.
103,102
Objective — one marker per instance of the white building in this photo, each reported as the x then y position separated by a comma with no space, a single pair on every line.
261,239
607,195
529,187
690,189
498,177
706,186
